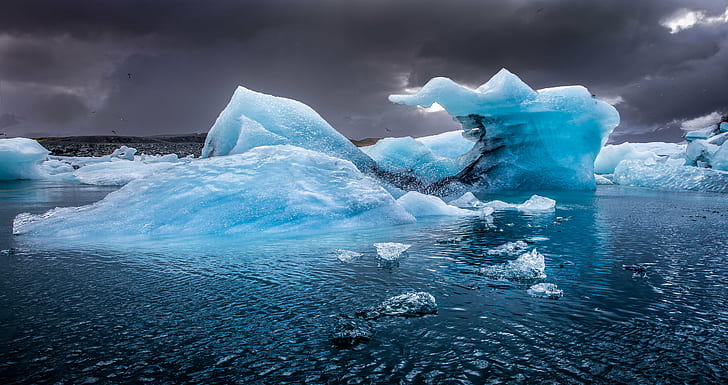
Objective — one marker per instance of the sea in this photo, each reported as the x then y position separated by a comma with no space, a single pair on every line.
641,297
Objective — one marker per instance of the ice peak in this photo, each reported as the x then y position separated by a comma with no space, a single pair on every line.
508,84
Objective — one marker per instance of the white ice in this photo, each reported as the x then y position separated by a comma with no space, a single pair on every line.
20,158
530,265
545,290
347,256
610,156
670,175
391,251
508,249
533,204
421,205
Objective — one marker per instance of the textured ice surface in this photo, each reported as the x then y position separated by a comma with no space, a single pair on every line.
534,203
118,172
267,189
610,156
509,249
347,256
409,156
602,180
124,152
546,290
529,265
411,304
421,205
20,159
670,175
391,251
526,139
467,200
451,144
252,119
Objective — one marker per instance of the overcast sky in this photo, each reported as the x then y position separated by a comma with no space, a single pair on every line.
163,67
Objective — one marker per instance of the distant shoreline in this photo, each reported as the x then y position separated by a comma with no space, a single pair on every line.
100,145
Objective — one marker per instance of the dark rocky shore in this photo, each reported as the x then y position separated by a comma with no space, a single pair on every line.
101,145
181,145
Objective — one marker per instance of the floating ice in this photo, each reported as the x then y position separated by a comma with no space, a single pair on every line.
347,256
267,189
124,152
421,205
467,200
509,249
529,265
119,172
610,156
670,175
451,144
602,180
252,119
410,157
349,332
526,139
391,251
533,204
546,290
20,159
408,305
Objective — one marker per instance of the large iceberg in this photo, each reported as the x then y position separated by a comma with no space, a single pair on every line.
253,119
525,139
20,158
266,189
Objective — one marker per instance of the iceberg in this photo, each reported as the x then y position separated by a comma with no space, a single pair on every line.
20,158
270,189
410,157
610,156
508,249
421,205
252,119
670,175
451,144
525,139
118,172
411,304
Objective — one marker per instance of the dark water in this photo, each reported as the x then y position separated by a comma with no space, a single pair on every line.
260,311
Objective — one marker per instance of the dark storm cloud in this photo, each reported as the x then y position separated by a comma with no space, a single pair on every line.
141,67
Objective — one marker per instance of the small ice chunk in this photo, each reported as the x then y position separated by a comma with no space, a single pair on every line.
421,205
349,332
347,256
405,305
510,248
124,152
391,251
529,265
546,290
537,203
467,200
534,203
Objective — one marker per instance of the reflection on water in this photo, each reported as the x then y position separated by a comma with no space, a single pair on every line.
260,311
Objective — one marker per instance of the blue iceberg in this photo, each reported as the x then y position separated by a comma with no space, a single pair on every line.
269,189
525,139
20,158
253,119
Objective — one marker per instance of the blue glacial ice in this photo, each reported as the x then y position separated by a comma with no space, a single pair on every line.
20,158
451,144
269,189
702,165
421,205
610,156
252,119
525,139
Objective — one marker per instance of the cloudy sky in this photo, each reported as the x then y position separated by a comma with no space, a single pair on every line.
141,67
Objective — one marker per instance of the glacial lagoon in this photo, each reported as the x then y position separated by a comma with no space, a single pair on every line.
642,275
